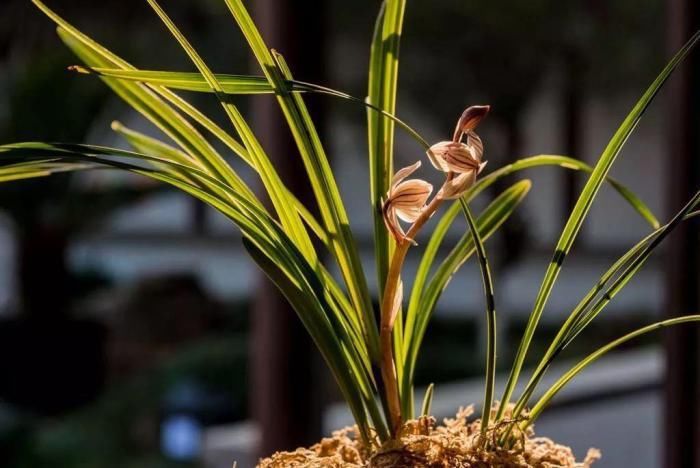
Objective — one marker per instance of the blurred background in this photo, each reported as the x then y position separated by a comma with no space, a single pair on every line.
134,331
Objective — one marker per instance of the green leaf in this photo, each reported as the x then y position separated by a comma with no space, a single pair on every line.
319,171
190,81
427,400
579,212
233,85
304,303
91,154
382,90
164,117
33,169
448,217
193,176
582,319
591,358
453,211
565,162
257,227
148,145
145,101
490,316
586,310
278,193
381,94
424,297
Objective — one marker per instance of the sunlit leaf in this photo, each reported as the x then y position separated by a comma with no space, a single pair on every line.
579,212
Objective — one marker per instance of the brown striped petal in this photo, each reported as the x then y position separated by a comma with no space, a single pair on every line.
392,223
440,153
408,198
436,154
462,158
474,141
450,156
469,119
404,172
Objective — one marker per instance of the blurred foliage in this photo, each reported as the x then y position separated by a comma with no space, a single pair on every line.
120,430
45,99
40,99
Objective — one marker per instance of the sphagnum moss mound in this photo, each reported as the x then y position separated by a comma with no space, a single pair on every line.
457,443
289,243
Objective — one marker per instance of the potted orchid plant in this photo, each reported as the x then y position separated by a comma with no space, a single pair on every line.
371,353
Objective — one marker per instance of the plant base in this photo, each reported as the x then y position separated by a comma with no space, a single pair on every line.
458,443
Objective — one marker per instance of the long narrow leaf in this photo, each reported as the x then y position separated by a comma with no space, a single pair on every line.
591,358
303,304
490,316
278,194
495,214
579,212
453,211
568,163
318,169
427,400
164,117
31,170
143,99
258,236
232,85
587,309
629,271
382,90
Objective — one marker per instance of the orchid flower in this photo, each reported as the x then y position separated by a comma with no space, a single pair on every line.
460,160
405,200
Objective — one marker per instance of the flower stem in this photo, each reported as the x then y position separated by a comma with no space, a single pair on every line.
388,316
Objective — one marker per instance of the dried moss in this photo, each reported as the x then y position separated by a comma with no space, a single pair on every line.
457,443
